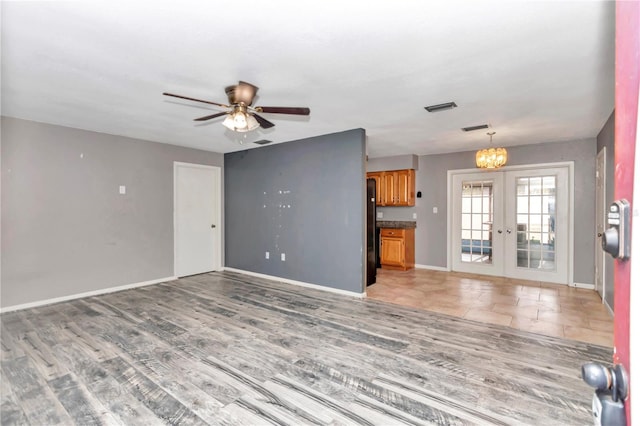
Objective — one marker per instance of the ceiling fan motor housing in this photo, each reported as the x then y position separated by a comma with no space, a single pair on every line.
242,93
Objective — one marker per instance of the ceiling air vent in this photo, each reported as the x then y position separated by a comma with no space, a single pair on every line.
440,107
472,128
262,142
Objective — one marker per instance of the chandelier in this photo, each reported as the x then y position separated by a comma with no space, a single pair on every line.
491,158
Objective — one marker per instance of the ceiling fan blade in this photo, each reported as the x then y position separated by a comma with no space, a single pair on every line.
194,99
209,117
264,123
284,110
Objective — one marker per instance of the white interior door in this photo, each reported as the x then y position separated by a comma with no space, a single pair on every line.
478,206
196,219
512,223
601,206
537,224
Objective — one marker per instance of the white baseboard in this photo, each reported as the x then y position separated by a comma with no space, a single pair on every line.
298,283
433,268
82,295
584,286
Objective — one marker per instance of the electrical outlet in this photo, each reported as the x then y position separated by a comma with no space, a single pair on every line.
379,215
435,210
415,215
266,254
282,257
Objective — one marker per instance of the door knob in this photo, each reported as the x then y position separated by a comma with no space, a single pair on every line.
599,234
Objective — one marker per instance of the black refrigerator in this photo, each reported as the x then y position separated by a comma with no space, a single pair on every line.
371,232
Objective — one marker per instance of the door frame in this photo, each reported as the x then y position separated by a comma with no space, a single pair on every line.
601,195
571,220
218,246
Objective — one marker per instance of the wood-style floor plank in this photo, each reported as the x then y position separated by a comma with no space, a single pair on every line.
227,349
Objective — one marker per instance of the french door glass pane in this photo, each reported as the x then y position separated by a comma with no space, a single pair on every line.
476,221
536,218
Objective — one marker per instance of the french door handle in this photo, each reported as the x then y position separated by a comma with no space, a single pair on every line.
508,231
499,231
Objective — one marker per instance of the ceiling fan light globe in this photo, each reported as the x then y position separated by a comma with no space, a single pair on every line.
252,123
240,121
229,122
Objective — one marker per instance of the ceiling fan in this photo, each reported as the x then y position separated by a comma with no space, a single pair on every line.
243,117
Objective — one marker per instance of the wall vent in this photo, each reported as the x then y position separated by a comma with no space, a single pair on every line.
440,107
472,128
263,142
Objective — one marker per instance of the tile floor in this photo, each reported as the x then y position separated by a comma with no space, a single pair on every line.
549,309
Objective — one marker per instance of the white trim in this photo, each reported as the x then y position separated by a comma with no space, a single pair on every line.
217,170
85,294
600,255
584,286
433,268
298,283
449,218
572,221
512,168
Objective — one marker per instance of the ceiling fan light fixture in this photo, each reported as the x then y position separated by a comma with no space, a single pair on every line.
240,121
491,158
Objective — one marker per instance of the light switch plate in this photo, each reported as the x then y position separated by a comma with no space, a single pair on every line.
435,210
123,189
415,215
379,215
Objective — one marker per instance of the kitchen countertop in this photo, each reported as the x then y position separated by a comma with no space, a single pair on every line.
396,224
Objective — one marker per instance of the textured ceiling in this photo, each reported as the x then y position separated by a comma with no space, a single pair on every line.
535,71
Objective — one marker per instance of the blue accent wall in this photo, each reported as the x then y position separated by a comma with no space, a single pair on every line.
304,198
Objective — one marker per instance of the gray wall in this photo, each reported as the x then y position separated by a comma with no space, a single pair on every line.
397,162
431,179
606,139
305,199
65,228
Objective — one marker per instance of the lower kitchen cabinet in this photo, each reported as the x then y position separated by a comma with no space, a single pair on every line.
397,248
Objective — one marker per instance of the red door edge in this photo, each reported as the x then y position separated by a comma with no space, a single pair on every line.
626,118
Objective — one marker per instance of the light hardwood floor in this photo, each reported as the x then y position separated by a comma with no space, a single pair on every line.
224,348
550,309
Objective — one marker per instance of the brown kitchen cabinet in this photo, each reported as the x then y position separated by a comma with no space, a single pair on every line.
395,187
397,248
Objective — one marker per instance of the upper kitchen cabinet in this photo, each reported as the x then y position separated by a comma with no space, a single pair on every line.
395,187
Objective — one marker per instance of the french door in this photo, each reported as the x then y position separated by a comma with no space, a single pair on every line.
512,223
